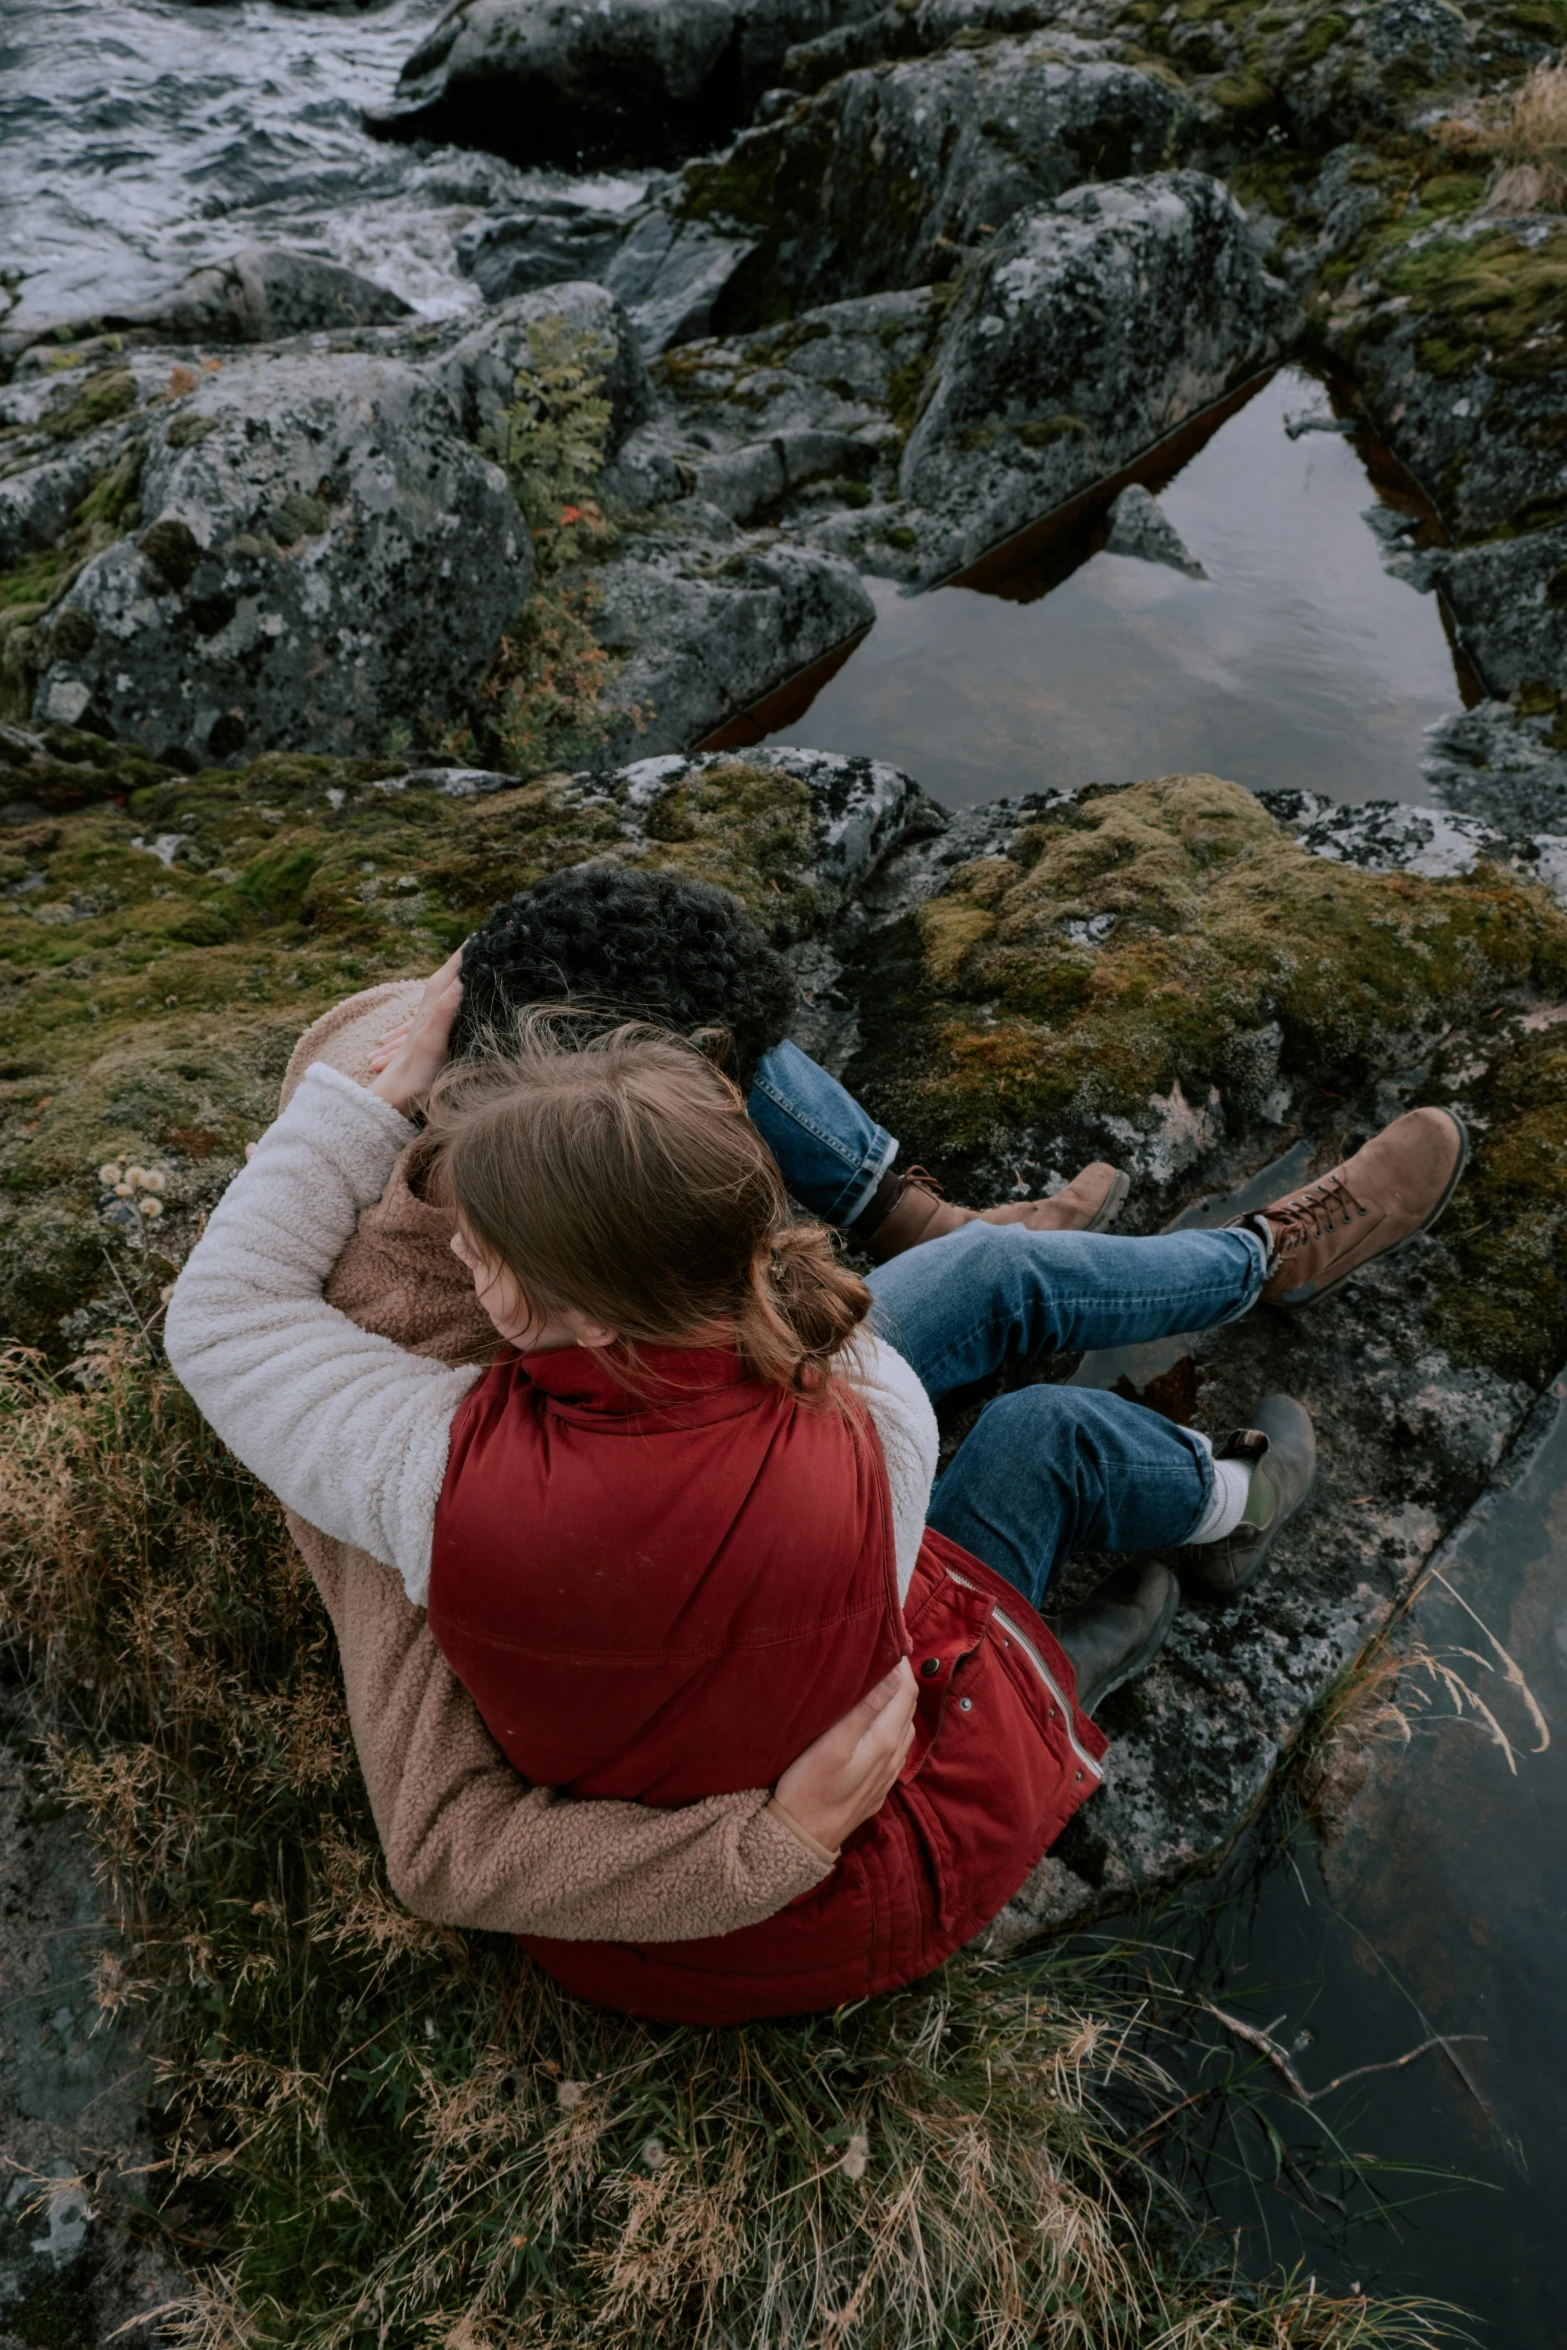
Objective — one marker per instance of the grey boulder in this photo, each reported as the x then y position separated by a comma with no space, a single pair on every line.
1509,598
323,555
704,627
626,81
890,174
671,274
263,294
1094,328
1502,767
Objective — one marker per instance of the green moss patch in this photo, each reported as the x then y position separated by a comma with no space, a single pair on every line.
1486,300
161,949
984,1019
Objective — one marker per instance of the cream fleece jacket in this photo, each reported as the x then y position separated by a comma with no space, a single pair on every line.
468,1842
345,1426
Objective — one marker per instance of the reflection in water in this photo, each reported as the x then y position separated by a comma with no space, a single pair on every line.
1440,1908
1298,663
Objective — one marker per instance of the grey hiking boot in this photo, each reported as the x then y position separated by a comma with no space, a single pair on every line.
1119,1629
1281,1445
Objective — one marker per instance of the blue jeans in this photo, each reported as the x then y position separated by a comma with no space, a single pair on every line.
1048,1471
831,1152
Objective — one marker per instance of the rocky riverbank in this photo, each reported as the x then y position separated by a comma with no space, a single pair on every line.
323,625
964,265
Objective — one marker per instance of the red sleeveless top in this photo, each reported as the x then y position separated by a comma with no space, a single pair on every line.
668,1594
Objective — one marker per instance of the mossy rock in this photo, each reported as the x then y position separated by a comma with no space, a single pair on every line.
1486,300
990,1033
164,939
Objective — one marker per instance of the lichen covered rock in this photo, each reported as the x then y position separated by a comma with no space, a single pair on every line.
479,370
1510,601
1094,327
890,174
700,627
322,554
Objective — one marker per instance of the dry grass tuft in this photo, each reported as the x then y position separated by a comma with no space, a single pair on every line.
379,2132
1523,134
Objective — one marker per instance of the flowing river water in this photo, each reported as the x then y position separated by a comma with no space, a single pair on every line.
140,138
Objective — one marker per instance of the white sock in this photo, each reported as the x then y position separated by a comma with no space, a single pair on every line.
1265,1233
1227,1502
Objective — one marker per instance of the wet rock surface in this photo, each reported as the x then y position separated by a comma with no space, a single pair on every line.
1502,765
262,296
72,2089
625,82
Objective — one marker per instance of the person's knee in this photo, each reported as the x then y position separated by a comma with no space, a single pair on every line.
1061,1429
1049,1419
986,1255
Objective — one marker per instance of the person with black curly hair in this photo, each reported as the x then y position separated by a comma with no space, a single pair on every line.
657,946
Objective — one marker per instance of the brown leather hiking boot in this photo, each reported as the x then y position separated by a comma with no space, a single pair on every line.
1394,1187
920,1211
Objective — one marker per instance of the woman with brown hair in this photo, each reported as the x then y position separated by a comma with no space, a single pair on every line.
679,1525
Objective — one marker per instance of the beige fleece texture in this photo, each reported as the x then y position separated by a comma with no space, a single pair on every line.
468,1842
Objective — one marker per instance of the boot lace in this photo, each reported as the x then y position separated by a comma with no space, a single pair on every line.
1321,1208
909,1177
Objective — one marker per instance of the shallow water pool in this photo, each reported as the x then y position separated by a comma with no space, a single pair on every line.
1299,662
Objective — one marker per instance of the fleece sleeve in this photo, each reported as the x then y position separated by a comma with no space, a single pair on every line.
910,1442
344,1426
469,1843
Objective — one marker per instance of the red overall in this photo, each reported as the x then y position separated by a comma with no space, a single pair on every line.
669,1599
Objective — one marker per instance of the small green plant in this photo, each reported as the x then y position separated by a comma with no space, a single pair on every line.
541,705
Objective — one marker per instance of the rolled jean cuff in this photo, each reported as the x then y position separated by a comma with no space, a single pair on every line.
872,1172
830,1150
1260,1257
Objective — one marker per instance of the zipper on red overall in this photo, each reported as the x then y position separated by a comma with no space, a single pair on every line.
1016,1632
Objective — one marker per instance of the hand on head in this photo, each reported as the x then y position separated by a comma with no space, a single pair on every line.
411,1057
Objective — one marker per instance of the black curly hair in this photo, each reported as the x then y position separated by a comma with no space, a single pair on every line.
649,945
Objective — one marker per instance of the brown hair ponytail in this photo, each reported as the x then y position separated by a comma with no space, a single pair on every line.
617,1172
800,1309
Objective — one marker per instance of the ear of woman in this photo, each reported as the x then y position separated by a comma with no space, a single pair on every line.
503,1298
